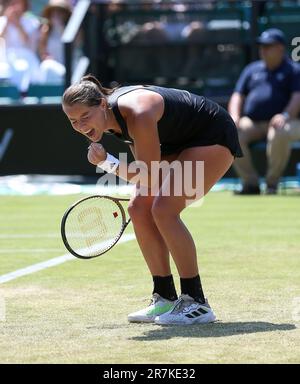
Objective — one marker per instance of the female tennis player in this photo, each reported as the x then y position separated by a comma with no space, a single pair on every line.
159,124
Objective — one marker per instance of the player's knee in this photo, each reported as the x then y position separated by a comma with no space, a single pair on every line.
161,211
138,208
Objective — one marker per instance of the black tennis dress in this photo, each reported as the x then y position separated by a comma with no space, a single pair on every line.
188,121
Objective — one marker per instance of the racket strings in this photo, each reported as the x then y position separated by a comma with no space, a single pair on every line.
93,226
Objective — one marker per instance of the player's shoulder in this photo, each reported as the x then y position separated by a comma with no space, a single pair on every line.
139,101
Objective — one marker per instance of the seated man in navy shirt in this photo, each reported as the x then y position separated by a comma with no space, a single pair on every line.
265,105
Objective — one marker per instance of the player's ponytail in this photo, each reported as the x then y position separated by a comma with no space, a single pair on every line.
92,79
89,91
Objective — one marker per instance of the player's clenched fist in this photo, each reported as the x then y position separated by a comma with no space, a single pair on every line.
96,153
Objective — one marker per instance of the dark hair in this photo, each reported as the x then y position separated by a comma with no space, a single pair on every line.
89,91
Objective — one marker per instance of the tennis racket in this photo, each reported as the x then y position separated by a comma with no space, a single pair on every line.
93,225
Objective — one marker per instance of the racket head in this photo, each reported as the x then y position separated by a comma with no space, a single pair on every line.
93,225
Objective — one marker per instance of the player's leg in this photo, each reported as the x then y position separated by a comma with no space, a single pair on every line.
156,255
166,210
151,243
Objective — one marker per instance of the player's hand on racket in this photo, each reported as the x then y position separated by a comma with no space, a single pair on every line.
96,153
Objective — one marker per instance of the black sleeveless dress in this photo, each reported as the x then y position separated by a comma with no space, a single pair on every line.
188,121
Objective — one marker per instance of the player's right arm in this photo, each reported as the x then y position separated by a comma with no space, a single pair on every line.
141,113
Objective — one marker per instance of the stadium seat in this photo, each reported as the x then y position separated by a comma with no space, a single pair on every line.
9,91
37,90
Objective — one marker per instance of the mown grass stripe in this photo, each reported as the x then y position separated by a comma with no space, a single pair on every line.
49,263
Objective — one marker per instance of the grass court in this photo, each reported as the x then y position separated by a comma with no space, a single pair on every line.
76,312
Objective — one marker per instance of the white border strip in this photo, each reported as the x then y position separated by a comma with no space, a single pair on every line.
50,263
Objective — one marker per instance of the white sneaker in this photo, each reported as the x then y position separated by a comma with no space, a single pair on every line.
157,307
187,311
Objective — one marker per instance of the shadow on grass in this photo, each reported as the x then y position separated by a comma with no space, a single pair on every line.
217,329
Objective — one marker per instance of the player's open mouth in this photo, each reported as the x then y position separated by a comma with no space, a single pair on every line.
90,133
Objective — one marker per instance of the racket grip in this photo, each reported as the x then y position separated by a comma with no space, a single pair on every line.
110,164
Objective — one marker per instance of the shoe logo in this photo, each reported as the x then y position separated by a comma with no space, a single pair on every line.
199,312
190,308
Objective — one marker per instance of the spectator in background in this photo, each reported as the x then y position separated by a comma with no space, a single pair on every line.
145,34
194,34
19,29
51,50
265,105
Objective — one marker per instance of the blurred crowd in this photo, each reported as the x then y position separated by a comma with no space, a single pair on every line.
31,50
152,21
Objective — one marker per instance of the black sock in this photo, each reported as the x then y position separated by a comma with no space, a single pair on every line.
164,286
192,287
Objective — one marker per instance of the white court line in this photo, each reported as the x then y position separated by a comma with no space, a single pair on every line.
50,263
29,236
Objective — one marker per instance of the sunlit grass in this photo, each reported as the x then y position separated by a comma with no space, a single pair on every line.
249,258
